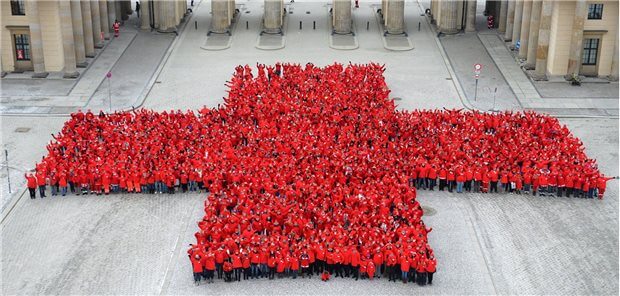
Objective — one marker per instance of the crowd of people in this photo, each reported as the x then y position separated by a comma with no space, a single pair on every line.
313,171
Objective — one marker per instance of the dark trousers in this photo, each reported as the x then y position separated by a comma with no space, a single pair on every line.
237,274
493,186
306,271
32,193
356,272
429,275
42,191
218,267
197,276
442,184
272,272
421,278
431,183
246,273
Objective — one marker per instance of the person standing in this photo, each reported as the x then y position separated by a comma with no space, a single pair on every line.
138,8
431,266
41,182
117,28
32,185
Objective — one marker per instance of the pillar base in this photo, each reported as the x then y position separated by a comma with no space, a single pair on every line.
451,32
90,55
529,66
612,77
2,74
99,45
71,75
507,39
539,77
81,65
40,75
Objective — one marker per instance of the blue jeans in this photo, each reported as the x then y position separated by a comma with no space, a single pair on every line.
459,187
63,190
404,275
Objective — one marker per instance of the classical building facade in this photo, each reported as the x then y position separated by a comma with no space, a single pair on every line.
552,37
58,35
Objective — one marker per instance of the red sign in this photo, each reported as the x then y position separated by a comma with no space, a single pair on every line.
20,54
109,74
477,67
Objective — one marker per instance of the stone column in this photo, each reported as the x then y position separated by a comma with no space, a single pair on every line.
36,42
395,17
613,76
111,13
576,46
272,16
118,9
510,19
542,48
449,17
532,43
470,20
341,16
516,28
103,14
219,17
525,28
68,46
145,23
96,18
78,34
87,26
126,10
167,23
503,12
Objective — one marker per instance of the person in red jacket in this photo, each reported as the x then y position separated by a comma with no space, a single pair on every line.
41,183
245,261
370,269
601,184
31,182
228,270
404,268
431,266
209,263
325,276
304,260
197,268
237,265
355,262
421,270
271,264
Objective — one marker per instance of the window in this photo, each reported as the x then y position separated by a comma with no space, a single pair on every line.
18,7
595,11
590,51
22,47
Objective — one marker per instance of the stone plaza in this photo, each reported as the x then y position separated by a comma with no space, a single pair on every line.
136,244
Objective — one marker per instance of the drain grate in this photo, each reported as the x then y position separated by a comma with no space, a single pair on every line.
22,129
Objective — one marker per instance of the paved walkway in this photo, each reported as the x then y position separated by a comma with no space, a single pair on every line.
132,58
560,99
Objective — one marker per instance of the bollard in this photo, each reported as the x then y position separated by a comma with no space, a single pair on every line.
367,26
419,26
196,25
313,25
300,25
247,25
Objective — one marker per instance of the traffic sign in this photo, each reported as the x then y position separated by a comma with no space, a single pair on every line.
477,67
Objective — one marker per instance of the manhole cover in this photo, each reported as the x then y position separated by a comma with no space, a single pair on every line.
428,211
307,12
22,129
397,99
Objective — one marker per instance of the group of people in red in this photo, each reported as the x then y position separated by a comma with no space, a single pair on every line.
313,171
